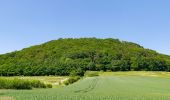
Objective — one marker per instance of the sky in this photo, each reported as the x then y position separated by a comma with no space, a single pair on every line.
25,23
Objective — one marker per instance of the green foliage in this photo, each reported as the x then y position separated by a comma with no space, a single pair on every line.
21,84
37,84
71,80
73,57
49,86
77,72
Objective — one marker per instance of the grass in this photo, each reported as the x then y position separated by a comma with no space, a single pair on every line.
138,73
92,73
106,86
15,83
54,80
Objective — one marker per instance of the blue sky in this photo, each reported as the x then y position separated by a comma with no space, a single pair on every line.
24,23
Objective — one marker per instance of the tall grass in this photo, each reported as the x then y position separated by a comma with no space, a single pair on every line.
21,84
91,73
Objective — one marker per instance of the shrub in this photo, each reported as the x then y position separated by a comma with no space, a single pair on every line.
37,84
22,84
78,72
3,83
49,86
71,80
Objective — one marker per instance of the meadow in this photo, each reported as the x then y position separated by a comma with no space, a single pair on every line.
106,86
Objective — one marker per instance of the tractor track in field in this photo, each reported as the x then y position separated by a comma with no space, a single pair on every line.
91,86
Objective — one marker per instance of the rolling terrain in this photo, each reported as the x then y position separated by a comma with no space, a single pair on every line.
106,86
125,71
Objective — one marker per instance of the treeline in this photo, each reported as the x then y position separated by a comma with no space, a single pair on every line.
75,56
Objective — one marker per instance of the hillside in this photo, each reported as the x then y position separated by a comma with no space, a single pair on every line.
75,56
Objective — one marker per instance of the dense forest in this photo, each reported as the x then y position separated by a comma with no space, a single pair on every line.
75,56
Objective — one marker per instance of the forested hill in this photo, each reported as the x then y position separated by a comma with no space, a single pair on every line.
75,56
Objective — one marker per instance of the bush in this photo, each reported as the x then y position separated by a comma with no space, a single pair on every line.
71,80
37,84
22,84
49,86
4,83
78,72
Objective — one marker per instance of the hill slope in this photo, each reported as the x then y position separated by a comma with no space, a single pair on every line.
75,56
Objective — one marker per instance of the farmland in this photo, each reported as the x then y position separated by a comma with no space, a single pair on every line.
46,79
106,86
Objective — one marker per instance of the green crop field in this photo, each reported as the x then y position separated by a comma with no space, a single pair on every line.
106,86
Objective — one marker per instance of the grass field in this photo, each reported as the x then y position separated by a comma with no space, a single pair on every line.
107,86
46,79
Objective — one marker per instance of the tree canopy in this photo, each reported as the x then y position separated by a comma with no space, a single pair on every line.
75,56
